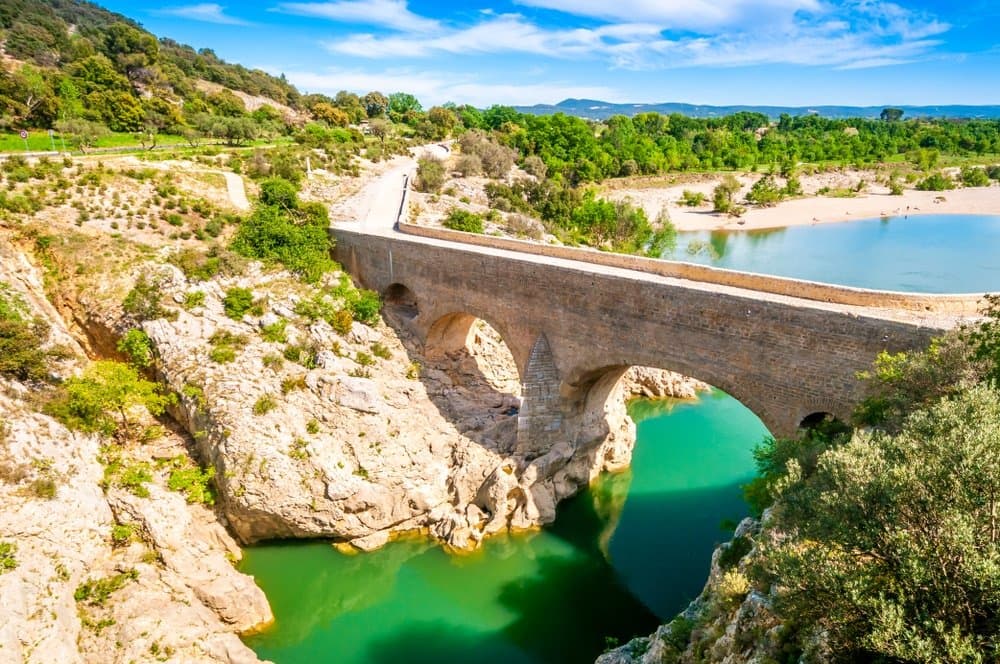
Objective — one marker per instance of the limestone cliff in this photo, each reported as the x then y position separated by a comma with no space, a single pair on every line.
95,575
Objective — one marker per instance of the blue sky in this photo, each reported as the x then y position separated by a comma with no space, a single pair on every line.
783,52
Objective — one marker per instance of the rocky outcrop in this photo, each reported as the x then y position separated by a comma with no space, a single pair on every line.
172,594
729,622
353,444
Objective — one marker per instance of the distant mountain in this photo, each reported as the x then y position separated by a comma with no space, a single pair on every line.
600,110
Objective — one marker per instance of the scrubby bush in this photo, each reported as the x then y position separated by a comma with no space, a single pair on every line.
463,220
974,177
936,182
22,339
430,174
137,347
282,230
237,302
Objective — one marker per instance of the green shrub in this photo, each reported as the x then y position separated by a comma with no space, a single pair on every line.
300,354
237,302
22,354
936,182
193,482
974,177
692,198
275,332
430,174
341,322
365,307
265,404
463,220
8,556
44,488
765,192
737,548
296,237
96,592
122,533
137,347
143,302
101,398
312,427
293,383
280,193
381,350
364,359
225,345
194,299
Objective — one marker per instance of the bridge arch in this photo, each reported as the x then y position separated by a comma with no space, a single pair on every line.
401,300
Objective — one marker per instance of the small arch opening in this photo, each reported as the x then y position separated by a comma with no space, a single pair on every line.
822,422
401,301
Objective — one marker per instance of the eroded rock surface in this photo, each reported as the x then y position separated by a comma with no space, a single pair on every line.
180,599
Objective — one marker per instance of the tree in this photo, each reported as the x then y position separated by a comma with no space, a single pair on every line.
888,549
22,339
722,195
376,104
891,114
82,134
764,192
401,103
103,399
331,115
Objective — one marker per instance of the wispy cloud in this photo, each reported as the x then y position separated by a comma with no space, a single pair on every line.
206,12
392,14
439,87
679,14
658,34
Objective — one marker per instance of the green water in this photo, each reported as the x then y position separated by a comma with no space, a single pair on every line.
621,557
915,253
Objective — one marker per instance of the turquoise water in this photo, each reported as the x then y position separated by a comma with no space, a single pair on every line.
622,556
918,253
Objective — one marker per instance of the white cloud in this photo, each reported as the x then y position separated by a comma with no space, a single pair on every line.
679,14
205,12
392,14
439,87
656,34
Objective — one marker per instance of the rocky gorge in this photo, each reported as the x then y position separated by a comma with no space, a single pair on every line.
349,434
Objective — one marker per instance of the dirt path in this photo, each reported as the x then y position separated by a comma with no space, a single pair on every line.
237,190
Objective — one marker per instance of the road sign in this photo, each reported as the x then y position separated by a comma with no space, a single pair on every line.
24,134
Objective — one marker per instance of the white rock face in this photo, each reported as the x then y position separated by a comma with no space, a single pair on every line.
186,603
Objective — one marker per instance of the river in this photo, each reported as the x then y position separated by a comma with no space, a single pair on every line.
621,557
915,253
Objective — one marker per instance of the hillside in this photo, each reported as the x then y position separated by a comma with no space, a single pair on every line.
592,109
68,60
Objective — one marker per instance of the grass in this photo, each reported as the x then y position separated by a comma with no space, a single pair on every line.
97,591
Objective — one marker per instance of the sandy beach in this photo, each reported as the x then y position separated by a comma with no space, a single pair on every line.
874,201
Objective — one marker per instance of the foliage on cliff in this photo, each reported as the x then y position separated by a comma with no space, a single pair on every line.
884,543
286,231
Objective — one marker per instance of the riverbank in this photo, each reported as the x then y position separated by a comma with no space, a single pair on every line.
874,200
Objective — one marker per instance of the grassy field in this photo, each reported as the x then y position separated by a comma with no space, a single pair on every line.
39,141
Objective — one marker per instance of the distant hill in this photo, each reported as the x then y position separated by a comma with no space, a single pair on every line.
600,110
65,59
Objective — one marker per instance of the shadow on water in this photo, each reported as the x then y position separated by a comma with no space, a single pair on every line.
562,612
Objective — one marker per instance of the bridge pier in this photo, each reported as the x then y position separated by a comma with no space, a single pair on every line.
540,422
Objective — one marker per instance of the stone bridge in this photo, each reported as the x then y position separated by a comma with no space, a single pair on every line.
574,327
